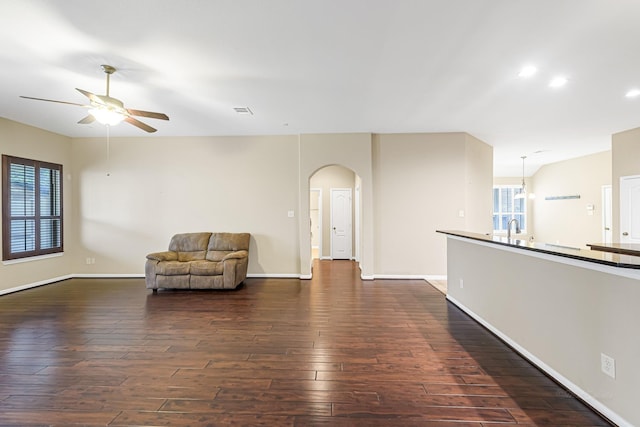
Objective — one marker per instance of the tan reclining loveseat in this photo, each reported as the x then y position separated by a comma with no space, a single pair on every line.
200,261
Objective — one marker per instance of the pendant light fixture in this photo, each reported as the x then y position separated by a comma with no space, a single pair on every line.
523,190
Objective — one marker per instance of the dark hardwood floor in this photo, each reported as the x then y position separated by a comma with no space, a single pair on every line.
333,351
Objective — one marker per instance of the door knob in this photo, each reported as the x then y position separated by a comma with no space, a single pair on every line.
334,229
625,234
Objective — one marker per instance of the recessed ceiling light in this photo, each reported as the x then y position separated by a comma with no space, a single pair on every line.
527,71
633,93
243,110
558,81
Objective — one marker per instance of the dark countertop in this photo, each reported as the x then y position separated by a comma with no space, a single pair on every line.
599,257
619,248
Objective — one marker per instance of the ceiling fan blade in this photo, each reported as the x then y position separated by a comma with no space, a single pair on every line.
88,94
87,120
149,114
53,100
139,124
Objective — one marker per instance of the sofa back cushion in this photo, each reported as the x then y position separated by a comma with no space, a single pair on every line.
190,246
221,244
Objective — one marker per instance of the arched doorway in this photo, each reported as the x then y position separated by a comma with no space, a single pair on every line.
329,187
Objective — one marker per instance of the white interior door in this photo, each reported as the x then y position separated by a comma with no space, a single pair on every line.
630,209
357,205
315,217
607,213
341,223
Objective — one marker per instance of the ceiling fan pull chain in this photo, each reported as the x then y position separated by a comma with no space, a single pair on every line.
108,148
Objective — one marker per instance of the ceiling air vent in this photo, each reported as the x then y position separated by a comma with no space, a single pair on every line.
243,110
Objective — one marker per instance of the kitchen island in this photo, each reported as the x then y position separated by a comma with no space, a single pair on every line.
561,307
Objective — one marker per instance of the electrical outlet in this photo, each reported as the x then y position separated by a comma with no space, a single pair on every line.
461,283
88,261
608,365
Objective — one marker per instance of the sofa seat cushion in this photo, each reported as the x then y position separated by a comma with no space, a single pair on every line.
206,268
181,281
172,268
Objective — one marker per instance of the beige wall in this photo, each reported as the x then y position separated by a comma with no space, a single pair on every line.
128,200
28,142
422,182
327,178
567,222
625,149
151,188
479,188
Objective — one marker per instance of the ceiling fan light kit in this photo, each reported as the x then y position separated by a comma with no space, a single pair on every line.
104,116
109,111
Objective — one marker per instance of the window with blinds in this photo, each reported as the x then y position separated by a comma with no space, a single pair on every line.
31,208
506,206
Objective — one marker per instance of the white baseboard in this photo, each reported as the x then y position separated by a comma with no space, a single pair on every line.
275,276
259,276
108,276
399,276
586,397
126,276
409,277
70,276
35,284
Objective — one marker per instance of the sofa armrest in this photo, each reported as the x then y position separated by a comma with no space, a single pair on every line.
236,255
163,256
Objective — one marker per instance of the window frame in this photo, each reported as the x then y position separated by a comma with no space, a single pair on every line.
514,189
37,216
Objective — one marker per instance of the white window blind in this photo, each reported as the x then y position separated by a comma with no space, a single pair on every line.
506,207
32,207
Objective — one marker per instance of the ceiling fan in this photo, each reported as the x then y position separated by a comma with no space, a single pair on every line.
108,110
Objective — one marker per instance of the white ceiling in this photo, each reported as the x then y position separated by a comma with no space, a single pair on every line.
326,66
